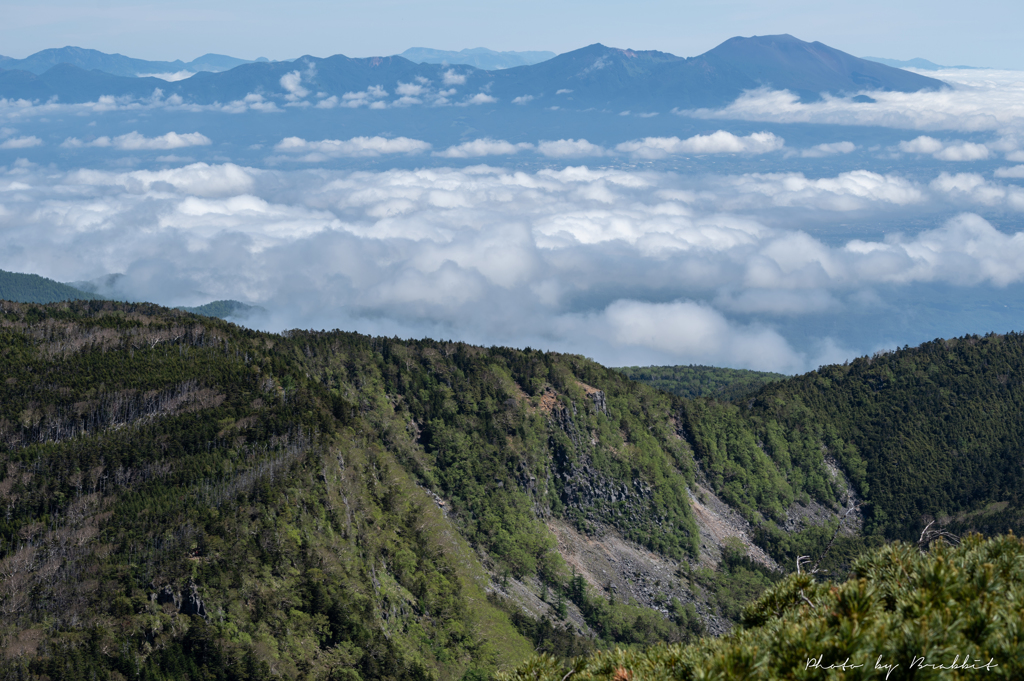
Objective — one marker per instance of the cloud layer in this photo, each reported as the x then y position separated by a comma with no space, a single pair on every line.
720,142
134,141
628,267
978,100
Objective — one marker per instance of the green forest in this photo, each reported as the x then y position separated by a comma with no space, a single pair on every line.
185,498
222,309
695,380
31,288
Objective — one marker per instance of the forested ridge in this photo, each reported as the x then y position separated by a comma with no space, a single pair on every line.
31,288
186,498
696,380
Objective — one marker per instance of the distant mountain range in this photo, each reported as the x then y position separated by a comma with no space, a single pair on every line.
116,64
480,57
916,63
594,76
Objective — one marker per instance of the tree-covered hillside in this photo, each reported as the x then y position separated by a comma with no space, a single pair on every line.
31,288
320,505
185,498
935,431
222,309
702,381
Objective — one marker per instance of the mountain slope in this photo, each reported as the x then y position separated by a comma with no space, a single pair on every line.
480,57
927,432
807,69
114,64
702,381
917,63
317,502
31,288
185,497
949,613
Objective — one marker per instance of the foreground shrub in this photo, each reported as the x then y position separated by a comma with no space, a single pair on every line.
951,613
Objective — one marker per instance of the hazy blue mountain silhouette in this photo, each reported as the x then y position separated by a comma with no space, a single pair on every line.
594,76
115,64
807,69
480,57
917,63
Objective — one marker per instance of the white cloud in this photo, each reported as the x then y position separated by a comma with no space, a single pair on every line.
253,102
169,76
921,145
75,143
134,141
854,190
972,188
1014,172
563,91
696,330
720,142
292,82
945,151
978,100
453,78
523,99
483,147
353,100
625,266
570,148
410,89
357,146
967,151
478,98
198,179
21,142
828,149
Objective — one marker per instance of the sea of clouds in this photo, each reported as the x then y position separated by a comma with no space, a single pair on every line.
627,266
597,252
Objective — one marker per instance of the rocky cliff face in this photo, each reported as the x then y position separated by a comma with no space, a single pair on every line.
185,603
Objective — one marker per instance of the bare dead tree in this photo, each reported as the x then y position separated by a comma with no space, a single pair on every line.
800,560
928,535
834,535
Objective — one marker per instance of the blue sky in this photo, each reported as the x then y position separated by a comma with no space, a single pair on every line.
984,33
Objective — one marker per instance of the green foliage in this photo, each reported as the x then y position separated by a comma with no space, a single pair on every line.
145,449
31,288
922,433
702,381
332,498
629,624
901,607
222,309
